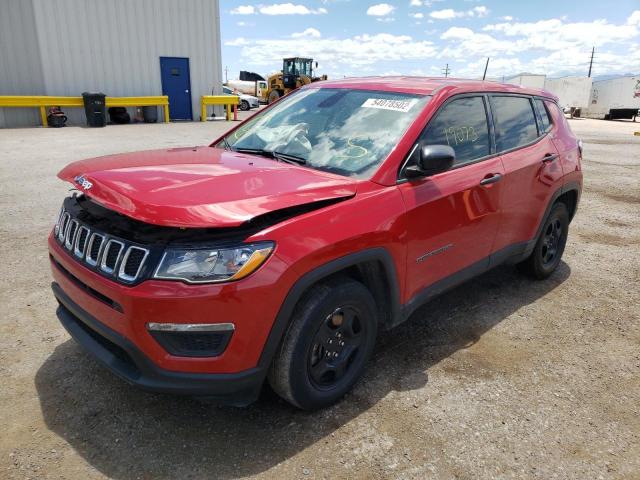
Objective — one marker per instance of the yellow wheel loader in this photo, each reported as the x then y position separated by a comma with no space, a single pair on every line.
295,73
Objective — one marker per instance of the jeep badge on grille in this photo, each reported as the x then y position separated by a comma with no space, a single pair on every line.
83,182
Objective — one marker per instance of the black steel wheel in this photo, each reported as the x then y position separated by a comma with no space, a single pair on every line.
327,346
551,239
549,248
336,347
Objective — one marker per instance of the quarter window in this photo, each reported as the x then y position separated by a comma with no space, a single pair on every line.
515,122
544,115
462,124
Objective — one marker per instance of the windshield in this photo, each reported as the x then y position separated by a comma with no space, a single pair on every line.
349,132
297,66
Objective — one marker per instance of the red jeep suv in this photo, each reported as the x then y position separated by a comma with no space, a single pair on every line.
282,250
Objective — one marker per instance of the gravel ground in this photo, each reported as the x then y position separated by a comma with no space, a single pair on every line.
501,378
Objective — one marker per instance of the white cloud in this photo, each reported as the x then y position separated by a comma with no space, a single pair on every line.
449,13
245,24
480,11
358,53
507,18
289,9
380,10
415,3
634,18
236,42
465,43
308,33
243,10
552,47
416,15
555,34
446,14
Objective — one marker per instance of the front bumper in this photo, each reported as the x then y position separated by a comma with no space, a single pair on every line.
251,304
124,359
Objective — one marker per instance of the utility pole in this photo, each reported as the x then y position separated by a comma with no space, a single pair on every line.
486,65
446,71
226,77
593,51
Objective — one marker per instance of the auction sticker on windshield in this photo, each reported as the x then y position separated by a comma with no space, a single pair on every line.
387,104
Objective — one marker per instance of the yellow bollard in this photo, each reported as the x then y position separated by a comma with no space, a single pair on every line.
43,116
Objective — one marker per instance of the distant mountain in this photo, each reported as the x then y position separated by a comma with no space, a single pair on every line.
598,78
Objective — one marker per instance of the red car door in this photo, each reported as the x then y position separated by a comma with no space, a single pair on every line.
452,217
532,170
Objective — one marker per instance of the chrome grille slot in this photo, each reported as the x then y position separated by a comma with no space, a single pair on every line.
111,255
64,223
82,238
132,263
80,234
56,229
70,236
94,248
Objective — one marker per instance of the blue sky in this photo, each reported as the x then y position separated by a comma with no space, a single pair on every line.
418,37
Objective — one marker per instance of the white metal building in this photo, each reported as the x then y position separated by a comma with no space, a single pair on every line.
573,92
529,80
118,47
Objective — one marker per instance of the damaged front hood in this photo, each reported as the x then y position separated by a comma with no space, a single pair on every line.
201,186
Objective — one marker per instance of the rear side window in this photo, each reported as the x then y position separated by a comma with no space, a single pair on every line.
545,121
462,124
515,122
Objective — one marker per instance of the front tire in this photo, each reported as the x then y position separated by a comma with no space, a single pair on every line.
328,343
244,105
273,96
546,255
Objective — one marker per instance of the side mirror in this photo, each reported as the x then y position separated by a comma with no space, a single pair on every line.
432,159
316,64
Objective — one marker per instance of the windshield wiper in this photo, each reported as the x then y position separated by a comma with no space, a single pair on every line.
287,157
226,144
283,157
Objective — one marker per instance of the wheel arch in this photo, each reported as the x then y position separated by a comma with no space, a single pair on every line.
373,267
570,197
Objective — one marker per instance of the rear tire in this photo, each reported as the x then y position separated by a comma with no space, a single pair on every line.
328,343
546,255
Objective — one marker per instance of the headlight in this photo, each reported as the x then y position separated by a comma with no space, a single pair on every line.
209,266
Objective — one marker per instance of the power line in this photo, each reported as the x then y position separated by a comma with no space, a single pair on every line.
446,71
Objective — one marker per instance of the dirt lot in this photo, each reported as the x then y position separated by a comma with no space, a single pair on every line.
500,378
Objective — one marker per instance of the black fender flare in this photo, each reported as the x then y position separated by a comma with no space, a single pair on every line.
282,320
530,245
567,187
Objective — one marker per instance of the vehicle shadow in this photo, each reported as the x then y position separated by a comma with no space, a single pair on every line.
129,434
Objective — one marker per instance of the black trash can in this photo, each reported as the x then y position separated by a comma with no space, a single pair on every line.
150,114
95,109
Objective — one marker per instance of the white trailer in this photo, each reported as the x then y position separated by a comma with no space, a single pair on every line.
529,80
615,98
256,88
572,92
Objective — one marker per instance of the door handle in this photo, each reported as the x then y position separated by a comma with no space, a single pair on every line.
186,91
491,178
549,157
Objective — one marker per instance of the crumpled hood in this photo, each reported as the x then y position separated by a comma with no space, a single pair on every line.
200,186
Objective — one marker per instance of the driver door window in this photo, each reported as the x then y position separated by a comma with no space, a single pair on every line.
461,124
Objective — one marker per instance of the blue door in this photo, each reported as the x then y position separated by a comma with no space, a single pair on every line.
176,84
